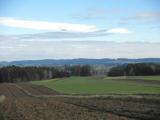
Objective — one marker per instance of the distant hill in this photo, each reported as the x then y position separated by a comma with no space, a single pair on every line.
104,61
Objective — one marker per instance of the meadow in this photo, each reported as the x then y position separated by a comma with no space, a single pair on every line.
104,85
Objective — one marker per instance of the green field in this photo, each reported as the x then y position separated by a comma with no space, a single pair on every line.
97,85
136,77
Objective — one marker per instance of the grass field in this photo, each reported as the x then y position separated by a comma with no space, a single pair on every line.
137,77
93,85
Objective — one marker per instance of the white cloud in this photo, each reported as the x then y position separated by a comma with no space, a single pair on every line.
61,28
56,30
41,25
118,30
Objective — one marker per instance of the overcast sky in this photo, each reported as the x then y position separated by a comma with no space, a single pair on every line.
54,29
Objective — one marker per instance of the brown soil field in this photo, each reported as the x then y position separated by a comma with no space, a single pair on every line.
32,102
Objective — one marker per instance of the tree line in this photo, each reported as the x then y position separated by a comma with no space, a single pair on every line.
137,69
24,74
30,73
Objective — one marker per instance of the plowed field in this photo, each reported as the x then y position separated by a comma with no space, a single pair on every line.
32,102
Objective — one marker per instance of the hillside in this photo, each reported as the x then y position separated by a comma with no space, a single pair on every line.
104,61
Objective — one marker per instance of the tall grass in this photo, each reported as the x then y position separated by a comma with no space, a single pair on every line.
2,98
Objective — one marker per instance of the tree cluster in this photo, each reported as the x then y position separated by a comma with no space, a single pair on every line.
22,74
78,70
137,69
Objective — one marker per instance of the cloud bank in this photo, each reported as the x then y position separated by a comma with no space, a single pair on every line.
20,50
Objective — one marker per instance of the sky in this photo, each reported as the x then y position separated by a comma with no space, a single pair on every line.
61,29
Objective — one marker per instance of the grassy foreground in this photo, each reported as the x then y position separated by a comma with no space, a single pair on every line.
2,98
95,85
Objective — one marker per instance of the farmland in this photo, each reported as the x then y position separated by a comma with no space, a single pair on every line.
81,98
104,85
31,102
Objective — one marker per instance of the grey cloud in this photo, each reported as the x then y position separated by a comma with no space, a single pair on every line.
155,27
144,16
55,35
95,13
65,34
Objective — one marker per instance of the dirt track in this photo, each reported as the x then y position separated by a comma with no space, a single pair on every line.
31,102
